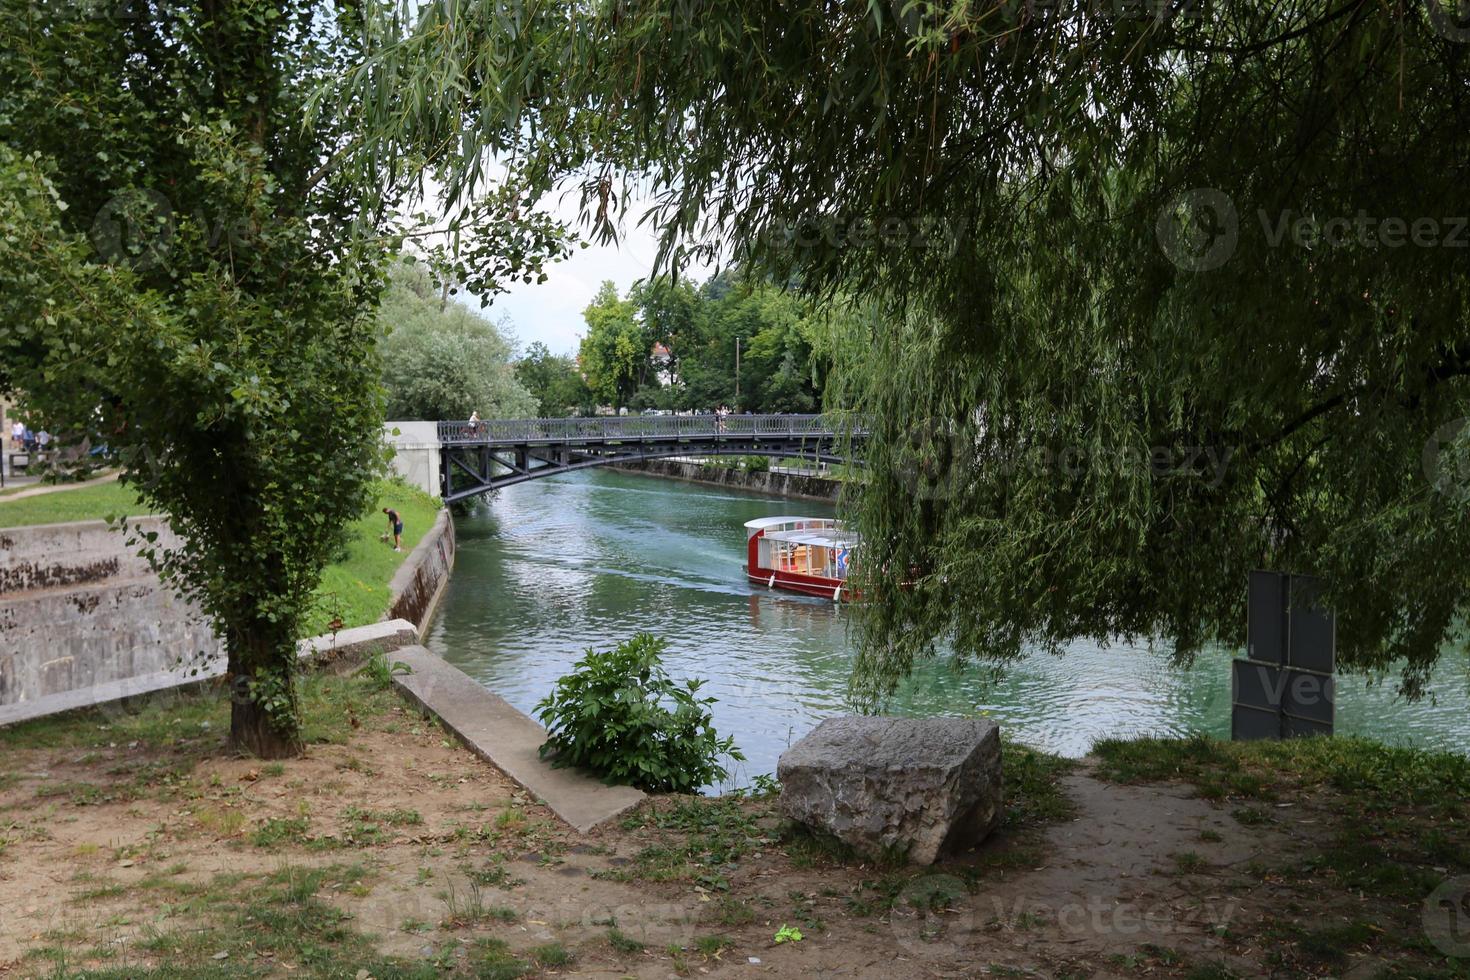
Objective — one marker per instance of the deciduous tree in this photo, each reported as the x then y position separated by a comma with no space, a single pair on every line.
443,360
190,271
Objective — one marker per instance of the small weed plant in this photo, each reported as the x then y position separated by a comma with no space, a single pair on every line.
620,715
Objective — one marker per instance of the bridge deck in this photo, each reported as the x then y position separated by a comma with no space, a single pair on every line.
480,456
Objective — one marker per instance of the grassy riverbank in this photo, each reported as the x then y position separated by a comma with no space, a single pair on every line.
354,588
144,850
63,505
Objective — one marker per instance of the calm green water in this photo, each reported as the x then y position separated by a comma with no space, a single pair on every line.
556,565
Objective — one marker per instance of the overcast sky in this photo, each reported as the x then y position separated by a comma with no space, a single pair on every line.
551,312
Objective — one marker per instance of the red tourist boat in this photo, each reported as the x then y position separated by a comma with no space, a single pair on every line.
812,555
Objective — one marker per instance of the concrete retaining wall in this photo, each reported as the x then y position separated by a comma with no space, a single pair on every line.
83,620
420,581
794,485
79,609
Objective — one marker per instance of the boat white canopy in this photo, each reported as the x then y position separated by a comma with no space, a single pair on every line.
828,538
764,522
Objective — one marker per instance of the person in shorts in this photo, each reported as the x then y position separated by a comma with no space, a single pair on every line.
396,523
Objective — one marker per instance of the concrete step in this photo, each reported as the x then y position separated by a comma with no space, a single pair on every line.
507,739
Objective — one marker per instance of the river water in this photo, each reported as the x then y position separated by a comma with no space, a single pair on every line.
553,566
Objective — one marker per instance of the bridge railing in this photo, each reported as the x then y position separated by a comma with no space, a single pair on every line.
616,427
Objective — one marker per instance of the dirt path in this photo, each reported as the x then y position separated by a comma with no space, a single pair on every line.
37,491
119,852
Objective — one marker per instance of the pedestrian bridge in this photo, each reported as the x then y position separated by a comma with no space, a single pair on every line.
477,457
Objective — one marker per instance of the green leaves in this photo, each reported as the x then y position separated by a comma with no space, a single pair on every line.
1099,285
442,360
202,305
620,715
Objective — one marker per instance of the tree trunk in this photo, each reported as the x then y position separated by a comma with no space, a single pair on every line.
263,650
252,732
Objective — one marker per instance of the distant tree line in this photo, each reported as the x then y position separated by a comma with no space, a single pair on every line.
441,359
672,346
663,345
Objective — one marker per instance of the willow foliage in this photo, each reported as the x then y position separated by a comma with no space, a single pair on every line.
1161,293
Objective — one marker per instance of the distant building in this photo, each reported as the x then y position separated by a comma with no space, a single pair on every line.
662,360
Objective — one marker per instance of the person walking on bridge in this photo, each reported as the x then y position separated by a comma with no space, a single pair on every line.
395,523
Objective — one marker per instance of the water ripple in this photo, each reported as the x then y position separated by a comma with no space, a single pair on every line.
554,566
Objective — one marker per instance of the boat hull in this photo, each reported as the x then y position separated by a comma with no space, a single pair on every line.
824,588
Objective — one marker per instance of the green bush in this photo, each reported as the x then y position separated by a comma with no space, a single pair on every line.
620,715
755,464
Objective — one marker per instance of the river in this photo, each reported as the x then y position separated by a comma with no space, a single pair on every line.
553,566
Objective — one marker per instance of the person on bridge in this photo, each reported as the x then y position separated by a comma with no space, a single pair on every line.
396,524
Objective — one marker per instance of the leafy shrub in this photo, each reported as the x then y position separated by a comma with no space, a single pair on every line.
620,715
755,464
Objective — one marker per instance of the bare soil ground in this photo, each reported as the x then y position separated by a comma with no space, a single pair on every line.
132,845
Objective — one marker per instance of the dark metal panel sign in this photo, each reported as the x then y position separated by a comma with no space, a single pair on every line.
1249,724
1258,685
1285,686
1312,636
1265,619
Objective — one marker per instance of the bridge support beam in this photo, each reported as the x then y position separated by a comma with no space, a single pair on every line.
476,458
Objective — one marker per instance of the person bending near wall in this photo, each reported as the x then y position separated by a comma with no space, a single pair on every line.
395,524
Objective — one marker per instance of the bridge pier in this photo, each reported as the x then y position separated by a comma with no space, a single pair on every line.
417,453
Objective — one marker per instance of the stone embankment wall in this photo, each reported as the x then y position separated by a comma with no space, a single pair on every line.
84,620
420,581
799,486
78,609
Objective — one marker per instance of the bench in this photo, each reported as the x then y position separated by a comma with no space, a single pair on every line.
37,457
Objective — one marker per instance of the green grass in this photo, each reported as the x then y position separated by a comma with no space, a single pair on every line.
622,942
182,725
356,586
1378,776
222,926
62,506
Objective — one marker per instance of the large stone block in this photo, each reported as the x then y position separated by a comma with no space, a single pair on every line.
920,786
